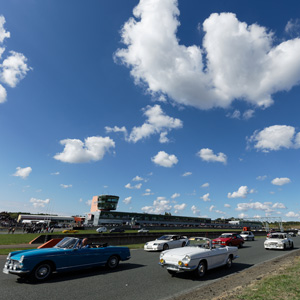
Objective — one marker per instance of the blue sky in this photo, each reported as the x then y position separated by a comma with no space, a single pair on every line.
180,106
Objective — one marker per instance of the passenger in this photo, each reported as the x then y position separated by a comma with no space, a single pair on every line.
84,243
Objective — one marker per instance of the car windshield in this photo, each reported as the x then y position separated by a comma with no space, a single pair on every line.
67,242
165,237
245,232
226,235
197,242
277,236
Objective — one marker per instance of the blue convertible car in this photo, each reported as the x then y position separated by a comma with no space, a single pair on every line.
38,264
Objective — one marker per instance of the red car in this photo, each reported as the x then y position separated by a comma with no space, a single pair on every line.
229,239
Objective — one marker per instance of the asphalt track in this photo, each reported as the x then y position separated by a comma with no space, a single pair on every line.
139,278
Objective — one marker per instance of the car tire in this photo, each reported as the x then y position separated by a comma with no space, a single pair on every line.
171,272
112,262
201,269
284,247
228,264
165,247
183,244
240,245
292,246
41,272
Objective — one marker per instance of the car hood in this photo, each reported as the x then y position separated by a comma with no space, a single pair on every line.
36,252
222,239
158,242
181,252
274,241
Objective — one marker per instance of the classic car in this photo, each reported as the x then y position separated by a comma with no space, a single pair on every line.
143,230
70,231
117,229
229,239
247,235
198,257
38,264
101,229
279,240
166,242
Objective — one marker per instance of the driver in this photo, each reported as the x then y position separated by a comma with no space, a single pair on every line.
84,243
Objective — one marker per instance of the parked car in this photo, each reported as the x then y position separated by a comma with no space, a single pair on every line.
166,242
292,233
70,231
229,239
247,235
117,229
38,264
101,229
143,230
198,257
279,240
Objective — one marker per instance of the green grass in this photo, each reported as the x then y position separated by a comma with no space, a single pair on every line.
284,286
13,239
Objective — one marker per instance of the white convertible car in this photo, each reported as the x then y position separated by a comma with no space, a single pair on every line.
166,242
198,256
279,240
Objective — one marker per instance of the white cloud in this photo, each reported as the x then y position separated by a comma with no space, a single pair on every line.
292,214
175,195
179,207
212,208
281,181
227,205
187,174
266,206
157,123
92,149
242,192
55,173
208,155
137,178
37,203
14,69
3,33
274,138
242,215
116,129
66,186
293,27
137,186
3,94
164,159
23,172
148,192
127,200
248,114
160,206
279,205
205,197
261,177
195,210
205,185
241,61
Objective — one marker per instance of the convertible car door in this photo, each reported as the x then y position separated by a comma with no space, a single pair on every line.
217,256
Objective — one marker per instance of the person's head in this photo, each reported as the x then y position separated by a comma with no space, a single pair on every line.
84,242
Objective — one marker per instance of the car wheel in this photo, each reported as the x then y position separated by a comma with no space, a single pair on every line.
201,269
284,247
240,245
112,262
228,262
183,244
42,271
292,246
165,247
172,272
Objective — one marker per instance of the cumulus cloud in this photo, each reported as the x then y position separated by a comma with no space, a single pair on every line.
179,207
261,178
208,155
195,210
205,197
137,178
293,27
187,174
292,214
279,205
267,207
175,195
127,200
227,205
160,206
129,186
23,172
275,137
148,192
38,203
242,192
92,149
212,208
235,61
281,181
205,185
164,159
157,122
248,114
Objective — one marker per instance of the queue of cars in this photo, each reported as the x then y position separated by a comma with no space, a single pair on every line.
179,254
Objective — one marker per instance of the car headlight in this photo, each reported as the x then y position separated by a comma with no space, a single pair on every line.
185,261
146,244
161,255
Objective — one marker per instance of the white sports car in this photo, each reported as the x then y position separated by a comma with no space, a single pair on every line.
247,235
166,242
279,240
198,256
